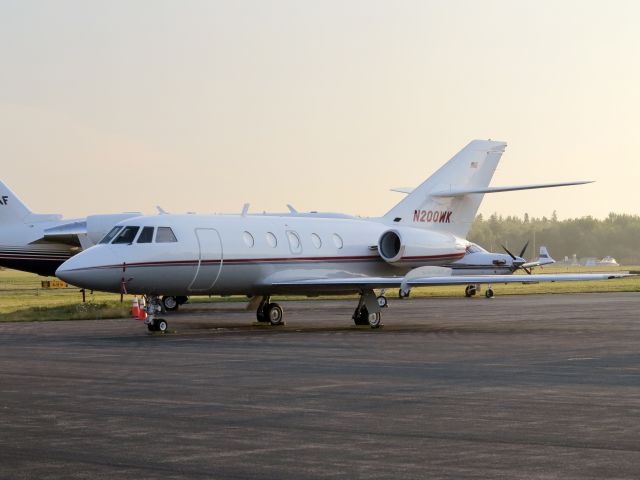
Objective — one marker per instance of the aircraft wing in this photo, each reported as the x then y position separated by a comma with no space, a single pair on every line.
67,234
391,282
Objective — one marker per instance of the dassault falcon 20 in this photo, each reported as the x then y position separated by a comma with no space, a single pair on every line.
263,255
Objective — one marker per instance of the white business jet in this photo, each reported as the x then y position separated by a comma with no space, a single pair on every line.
40,243
263,255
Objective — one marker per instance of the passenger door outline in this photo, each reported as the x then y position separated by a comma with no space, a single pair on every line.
210,259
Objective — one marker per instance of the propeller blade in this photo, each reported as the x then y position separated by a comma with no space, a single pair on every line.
524,249
513,257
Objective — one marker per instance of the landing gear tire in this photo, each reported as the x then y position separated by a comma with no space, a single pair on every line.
374,320
402,294
274,314
489,293
470,291
158,325
382,301
170,303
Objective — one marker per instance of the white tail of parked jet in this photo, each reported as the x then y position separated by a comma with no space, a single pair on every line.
12,210
447,201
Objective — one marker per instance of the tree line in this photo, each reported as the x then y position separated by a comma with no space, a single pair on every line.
617,235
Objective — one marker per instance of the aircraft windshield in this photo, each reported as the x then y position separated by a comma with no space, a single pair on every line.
127,235
473,248
146,236
109,236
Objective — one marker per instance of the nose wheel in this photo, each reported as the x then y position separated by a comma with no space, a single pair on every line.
154,307
158,325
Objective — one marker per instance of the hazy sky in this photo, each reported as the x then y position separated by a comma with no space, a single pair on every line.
108,106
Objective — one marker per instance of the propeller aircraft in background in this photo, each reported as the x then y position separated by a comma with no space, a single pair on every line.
264,255
479,261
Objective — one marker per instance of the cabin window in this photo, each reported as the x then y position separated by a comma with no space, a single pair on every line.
126,235
315,239
337,241
272,241
146,236
109,236
294,242
165,235
248,239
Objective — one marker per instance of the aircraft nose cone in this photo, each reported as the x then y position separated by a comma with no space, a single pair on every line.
91,269
71,271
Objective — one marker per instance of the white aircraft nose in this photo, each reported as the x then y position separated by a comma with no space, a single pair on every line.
94,269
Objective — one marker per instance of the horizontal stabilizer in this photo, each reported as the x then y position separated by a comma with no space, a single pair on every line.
459,192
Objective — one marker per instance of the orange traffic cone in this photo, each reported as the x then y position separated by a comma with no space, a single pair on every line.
143,309
135,309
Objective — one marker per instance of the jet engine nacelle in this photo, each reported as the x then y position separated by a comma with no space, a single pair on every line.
416,247
99,225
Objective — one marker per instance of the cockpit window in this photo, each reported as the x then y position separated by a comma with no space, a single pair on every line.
473,248
146,236
126,235
109,236
165,235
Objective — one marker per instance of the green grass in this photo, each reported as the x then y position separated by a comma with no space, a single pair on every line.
80,311
22,298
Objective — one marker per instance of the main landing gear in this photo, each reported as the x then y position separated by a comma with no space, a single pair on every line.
153,308
171,303
472,290
382,300
368,310
270,312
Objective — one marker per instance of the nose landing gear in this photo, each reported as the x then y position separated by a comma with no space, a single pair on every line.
153,308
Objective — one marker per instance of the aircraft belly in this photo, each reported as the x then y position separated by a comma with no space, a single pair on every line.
258,278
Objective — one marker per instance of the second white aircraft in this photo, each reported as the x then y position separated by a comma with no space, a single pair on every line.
263,255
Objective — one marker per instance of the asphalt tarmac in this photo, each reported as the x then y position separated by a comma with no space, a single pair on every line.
527,387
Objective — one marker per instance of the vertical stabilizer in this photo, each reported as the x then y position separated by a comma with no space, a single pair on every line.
471,168
544,258
12,210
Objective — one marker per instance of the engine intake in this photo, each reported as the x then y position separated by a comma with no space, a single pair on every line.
418,247
390,246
